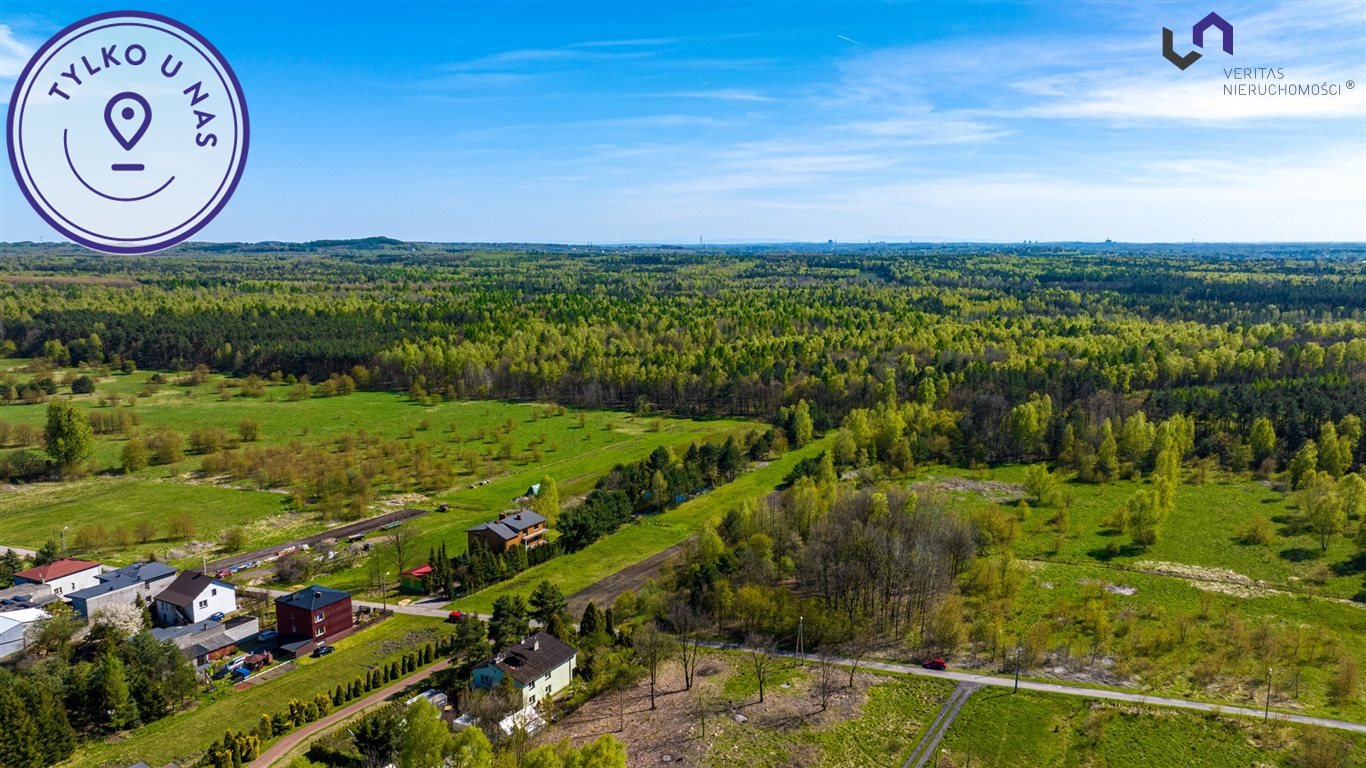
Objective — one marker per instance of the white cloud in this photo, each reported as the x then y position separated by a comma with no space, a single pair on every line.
14,54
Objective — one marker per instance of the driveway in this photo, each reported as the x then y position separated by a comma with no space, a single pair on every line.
294,738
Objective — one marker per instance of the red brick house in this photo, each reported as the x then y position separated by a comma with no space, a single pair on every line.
525,528
307,618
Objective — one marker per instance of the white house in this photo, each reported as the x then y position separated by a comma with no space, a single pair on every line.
192,598
64,576
14,628
540,667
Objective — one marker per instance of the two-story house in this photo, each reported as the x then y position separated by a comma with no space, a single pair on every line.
524,528
308,618
192,598
64,576
540,667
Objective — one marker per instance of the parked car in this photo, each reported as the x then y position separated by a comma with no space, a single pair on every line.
268,635
321,651
934,664
217,616
455,616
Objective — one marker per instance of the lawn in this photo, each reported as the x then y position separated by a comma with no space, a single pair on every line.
181,737
31,515
1000,728
638,541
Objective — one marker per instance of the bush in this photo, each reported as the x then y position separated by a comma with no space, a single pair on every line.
83,385
1258,531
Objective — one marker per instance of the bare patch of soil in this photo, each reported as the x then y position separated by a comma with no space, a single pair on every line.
677,732
995,491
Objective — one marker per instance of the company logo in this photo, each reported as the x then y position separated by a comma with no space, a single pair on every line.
1198,38
127,132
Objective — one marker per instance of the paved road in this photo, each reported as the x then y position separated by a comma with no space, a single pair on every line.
282,747
18,551
942,722
332,534
1072,690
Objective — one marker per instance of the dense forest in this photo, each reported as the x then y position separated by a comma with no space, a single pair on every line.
1074,336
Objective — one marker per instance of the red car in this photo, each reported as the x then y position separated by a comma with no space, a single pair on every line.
455,616
934,664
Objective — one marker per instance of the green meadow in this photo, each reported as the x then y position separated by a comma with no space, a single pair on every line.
574,446
1202,531
1000,729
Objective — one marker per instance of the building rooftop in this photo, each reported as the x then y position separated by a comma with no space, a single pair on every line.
122,578
313,597
187,587
21,616
55,570
533,657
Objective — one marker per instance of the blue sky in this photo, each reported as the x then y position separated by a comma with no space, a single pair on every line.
732,122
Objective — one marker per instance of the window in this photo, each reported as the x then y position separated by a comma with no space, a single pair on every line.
319,631
213,592
319,618
547,690
57,591
203,603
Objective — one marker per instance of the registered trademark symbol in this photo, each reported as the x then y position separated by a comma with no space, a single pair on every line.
1351,84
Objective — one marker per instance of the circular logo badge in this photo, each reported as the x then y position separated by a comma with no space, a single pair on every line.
128,132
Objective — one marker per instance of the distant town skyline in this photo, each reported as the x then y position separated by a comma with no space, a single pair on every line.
621,123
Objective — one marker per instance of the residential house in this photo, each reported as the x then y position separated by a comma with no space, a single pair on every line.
524,528
308,618
411,579
540,667
14,629
64,576
122,586
193,597
208,641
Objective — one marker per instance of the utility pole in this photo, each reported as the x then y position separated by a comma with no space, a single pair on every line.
801,621
64,540
1017,669
384,590
1266,717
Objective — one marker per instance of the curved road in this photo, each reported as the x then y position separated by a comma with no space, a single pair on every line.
294,738
1072,690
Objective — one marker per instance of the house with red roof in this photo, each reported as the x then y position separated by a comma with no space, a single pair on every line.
64,576
411,579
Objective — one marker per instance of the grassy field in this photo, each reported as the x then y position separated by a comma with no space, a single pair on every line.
179,738
997,728
651,535
1203,531
576,447
1134,658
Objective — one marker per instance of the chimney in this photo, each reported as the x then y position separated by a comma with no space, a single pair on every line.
317,594
536,644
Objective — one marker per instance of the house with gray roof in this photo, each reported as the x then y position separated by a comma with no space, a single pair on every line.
524,528
192,598
540,667
122,586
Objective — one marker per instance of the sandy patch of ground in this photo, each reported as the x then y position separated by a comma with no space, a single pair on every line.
996,491
1220,580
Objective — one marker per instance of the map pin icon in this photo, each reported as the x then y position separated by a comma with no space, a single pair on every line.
127,115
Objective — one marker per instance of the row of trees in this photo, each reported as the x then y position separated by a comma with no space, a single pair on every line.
651,485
